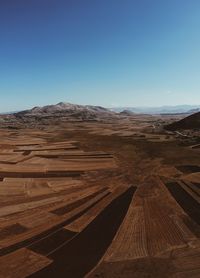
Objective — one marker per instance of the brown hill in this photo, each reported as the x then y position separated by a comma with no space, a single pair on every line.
62,109
190,122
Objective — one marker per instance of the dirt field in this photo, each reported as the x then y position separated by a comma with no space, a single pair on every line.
107,199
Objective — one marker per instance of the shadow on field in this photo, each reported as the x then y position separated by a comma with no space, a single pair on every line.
77,257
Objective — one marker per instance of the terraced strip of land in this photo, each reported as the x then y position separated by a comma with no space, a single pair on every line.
149,236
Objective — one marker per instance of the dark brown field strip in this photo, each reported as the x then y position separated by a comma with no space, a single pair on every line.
185,200
196,184
8,162
48,149
51,242
38,237
26,153
49,174
78,203
188,169
196,147
12,230
48,244
73,156
192,189
77,257
16,162
26,145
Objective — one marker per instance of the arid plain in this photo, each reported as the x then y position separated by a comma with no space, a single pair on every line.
118,197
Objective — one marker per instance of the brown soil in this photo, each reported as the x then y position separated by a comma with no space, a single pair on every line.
67,208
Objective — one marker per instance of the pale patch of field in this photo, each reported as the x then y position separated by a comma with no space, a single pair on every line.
194,177
186,262
14,209
22,263
130,242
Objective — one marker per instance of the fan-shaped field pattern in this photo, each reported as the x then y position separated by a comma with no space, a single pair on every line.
148,229
67,208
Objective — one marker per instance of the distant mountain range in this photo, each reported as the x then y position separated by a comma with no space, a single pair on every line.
160,110
64,109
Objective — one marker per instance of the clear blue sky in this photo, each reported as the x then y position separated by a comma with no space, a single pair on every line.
104,52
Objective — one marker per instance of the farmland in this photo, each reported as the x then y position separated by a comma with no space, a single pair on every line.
114,198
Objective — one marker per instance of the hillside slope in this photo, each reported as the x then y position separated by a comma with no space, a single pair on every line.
190,122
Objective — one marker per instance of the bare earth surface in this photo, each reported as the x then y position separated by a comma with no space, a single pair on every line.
115,198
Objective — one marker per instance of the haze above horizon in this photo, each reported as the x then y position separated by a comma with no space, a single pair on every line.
108,52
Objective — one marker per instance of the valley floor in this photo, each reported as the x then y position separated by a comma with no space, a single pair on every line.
98,199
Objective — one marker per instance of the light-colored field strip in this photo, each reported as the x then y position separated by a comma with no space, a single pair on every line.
40,164
52,182
160,225
58,152
23,168
14,158
81,165
65,199
86,203
107,132
194,177
61,185
186,262
12,188
38,188
37,219
47,147
37,160
6,151
60,143
126,133
18,186
7,210
130,242
187,234
22,263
